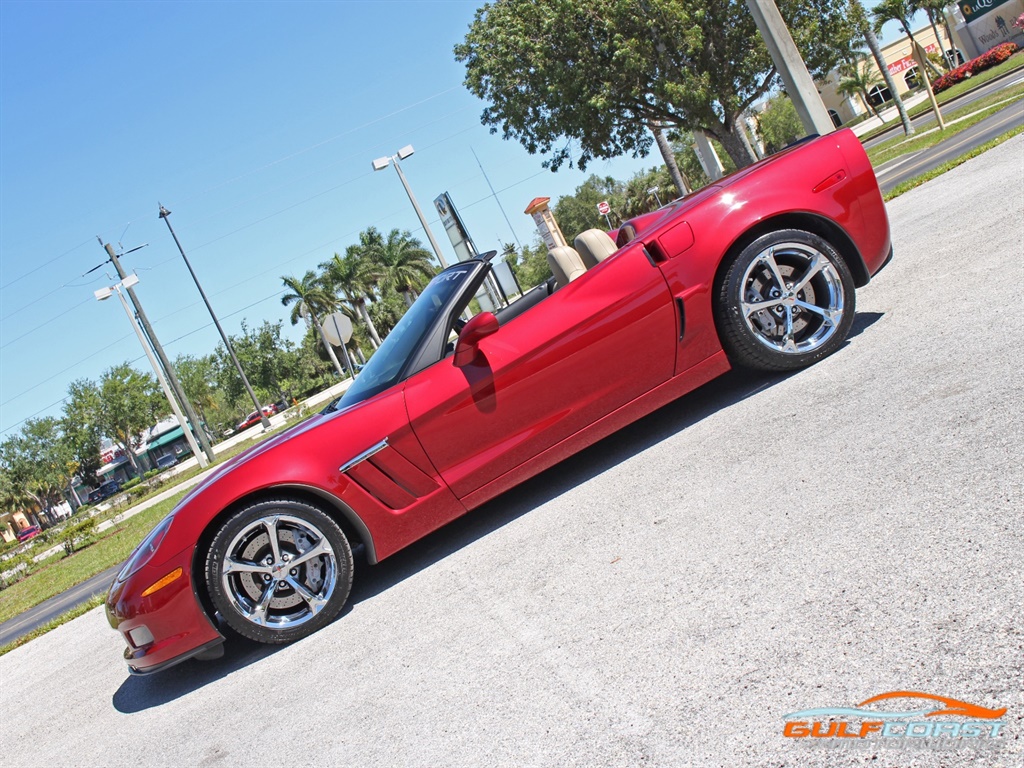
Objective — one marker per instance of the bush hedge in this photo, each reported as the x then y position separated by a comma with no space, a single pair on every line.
990,58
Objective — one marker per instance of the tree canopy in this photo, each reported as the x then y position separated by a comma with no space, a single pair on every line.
577,80
129,403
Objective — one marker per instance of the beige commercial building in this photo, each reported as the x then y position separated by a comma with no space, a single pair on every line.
976,26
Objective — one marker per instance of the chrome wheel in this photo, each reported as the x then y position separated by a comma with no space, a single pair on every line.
279,571
793,298
784,302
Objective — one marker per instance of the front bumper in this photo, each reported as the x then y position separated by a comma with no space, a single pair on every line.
165,627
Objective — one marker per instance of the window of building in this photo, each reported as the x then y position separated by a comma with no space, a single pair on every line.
879,95
837,121
912,78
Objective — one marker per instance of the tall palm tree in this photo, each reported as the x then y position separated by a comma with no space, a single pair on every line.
350,277
860,20
401,264
936,8
312,300
901,11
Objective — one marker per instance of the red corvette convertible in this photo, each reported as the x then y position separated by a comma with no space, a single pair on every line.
758,270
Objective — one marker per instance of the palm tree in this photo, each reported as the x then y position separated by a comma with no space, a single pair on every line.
400,263
349,276
901,11
937,8
860,20
312,300
857,80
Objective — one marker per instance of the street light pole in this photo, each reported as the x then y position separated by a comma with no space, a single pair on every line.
165,214
380,164
127,283
172,377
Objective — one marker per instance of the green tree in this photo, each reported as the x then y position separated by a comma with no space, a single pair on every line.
39,463
530,264
859,19
779,123
80,425
352,279
857,79
936,10
599,74
900,11
399,263
577,212
198,377
312,300
130,403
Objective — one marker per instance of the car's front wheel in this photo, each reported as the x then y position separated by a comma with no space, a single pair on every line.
786,301
279,570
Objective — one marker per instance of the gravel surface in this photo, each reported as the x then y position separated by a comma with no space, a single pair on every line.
765,545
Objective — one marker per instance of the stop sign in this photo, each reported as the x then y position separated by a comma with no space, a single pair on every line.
603,208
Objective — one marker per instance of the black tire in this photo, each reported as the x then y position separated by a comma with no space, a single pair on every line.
278,594
786,301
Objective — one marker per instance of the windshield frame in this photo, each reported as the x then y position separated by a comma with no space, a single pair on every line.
418,339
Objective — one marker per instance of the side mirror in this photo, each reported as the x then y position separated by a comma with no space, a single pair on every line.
479,327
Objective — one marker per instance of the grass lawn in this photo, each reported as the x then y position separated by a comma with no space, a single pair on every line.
61,574
978,111
906,186
1013,63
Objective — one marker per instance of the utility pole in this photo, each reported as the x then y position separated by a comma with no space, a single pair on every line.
172,378
165,214
799,84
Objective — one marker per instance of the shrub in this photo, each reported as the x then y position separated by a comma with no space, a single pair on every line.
77,535
131,483
989,59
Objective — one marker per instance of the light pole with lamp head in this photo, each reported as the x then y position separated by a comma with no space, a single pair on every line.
105,293
164,214
383,162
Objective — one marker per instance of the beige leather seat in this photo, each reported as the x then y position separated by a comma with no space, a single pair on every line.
566,265
594,246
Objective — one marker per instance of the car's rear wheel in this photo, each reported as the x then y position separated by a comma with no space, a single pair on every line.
786,301
279,570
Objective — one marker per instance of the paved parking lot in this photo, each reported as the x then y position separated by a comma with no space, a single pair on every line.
766,545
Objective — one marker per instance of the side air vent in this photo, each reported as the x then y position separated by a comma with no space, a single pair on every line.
391,478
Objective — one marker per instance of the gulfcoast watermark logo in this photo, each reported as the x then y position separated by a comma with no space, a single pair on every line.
923,722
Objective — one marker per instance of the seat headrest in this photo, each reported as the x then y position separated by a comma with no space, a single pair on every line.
566,265
594,247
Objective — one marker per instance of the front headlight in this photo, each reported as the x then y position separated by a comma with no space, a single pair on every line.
145,551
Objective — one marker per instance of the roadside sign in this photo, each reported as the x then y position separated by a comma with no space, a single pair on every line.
603,208
337,329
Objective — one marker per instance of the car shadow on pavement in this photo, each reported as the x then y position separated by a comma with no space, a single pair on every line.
721,393
140,693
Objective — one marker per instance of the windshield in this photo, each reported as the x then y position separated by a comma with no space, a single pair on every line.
387,364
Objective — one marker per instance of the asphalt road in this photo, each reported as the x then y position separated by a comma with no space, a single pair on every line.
907,167
767,544
926,120
50,609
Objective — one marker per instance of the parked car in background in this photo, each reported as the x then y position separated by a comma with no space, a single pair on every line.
758,270
28,533
166,461
254,417
105,491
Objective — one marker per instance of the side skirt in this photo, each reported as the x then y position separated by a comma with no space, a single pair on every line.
674,388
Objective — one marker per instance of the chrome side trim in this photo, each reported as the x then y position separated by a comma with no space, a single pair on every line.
364,456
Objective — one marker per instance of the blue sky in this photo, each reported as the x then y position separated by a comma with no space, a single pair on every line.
255,124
